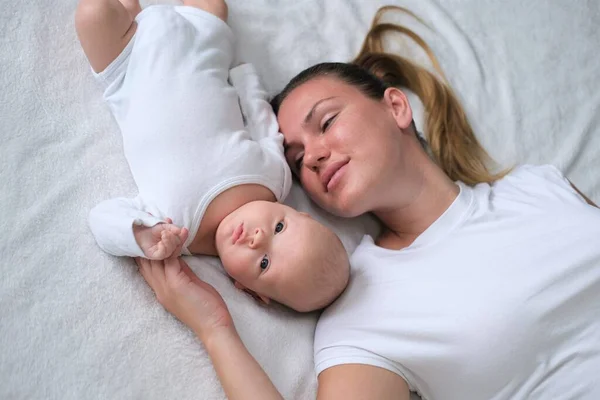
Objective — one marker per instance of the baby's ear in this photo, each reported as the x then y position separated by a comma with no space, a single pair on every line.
257,297
264,299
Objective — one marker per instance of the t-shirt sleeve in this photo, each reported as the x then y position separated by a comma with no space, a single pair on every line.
333,356
545,182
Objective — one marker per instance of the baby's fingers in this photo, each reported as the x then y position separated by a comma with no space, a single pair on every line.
174,229
183,236
157,252
170,243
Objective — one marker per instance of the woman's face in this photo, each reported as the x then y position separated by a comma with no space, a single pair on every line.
345,147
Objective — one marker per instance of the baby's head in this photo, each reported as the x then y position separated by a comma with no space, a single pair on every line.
281,254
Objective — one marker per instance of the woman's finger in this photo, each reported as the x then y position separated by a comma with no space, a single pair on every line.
185,268
142,262
172,267
157,268
144,268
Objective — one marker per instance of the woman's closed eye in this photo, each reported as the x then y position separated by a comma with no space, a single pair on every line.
328,123
299,158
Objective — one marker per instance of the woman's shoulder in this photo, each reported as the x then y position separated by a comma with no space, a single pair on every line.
535,173
538,183
361,295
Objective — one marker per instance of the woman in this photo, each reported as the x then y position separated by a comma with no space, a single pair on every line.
481,286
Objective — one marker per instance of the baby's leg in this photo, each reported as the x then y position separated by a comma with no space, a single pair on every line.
215,7
104,28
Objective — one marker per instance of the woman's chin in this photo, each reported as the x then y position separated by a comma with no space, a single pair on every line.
345,204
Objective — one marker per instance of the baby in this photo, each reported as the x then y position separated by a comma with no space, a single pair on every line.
206,174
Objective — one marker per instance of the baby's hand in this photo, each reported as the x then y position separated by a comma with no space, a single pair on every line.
160,241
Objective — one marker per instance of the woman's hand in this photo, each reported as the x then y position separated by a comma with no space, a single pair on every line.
199,306
183,294
161,240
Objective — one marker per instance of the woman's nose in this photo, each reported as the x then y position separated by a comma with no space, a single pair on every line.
257,239
314,156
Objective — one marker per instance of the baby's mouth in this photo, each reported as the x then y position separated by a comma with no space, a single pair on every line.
237,233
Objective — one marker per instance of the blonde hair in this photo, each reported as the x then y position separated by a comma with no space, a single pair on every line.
449,135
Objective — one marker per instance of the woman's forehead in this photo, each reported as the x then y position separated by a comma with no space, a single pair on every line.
299,102
320,87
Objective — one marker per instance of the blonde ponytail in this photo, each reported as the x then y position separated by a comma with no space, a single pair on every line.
447,130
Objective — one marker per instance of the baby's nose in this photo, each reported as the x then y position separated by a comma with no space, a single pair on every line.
257,239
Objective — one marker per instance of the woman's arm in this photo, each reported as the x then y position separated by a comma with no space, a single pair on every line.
240,375
200,307
358,381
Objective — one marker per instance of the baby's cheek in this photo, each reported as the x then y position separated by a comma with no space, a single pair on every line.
233,267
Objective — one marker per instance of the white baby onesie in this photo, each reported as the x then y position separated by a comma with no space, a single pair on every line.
184,136
499,299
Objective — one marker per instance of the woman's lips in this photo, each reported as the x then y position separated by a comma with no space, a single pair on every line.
330,171
337,176
237,233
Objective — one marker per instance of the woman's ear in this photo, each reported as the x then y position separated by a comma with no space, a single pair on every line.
398,103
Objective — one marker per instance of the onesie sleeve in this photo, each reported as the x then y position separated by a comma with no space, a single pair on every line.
260,118
112,223
261,121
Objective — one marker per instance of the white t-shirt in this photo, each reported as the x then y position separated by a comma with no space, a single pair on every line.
498,299
184,135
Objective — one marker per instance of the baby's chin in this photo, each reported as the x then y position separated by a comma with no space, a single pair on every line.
220,238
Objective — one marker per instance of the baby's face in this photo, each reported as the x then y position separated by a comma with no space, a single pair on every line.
261,245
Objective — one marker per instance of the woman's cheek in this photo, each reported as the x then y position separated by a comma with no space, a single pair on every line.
310,183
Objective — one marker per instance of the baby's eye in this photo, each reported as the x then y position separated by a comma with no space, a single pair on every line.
279,227
264,263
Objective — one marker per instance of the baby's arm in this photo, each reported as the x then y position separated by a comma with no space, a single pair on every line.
260,119
122,227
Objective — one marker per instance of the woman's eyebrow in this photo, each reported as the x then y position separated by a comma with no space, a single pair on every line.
311,113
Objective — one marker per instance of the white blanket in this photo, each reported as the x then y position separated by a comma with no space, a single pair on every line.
77,324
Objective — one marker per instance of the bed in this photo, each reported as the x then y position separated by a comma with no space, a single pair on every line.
76,323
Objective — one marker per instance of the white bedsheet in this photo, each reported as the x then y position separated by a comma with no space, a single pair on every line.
77,324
